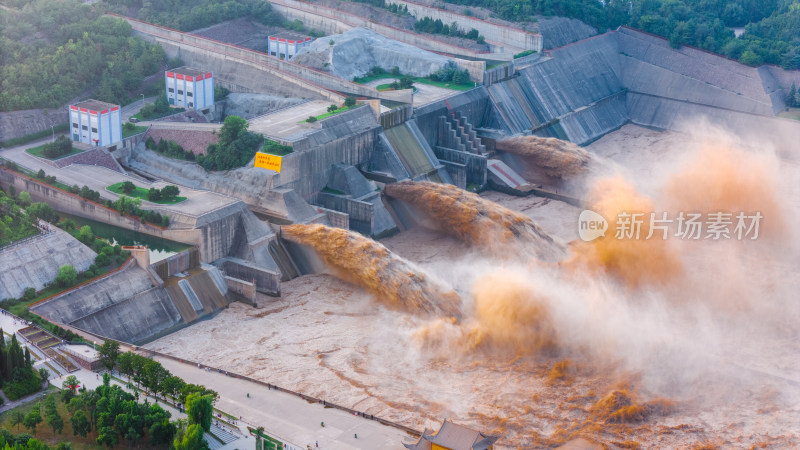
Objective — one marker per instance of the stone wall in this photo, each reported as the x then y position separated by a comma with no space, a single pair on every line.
14,124
513,39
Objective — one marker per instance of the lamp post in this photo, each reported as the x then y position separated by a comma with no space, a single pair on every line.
95,345
53,127
142,99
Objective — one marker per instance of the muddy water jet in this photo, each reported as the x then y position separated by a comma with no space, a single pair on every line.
556,158
475,220
366,263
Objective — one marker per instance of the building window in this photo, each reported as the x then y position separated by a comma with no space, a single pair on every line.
85,128
190,104
74,125
180,92
170,90
188,94
94,130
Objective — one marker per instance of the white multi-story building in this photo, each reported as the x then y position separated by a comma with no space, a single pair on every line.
95,123
189,88
286,44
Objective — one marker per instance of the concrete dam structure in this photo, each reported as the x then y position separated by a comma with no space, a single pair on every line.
135,305
584,90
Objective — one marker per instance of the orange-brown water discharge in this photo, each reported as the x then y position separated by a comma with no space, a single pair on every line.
509,319
555,157
475,220
634,261
722,178
369,264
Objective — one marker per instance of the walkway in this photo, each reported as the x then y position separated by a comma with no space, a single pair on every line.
288,417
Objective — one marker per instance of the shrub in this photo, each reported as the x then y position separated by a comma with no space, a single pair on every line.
311,119
67,275
29,294
350,101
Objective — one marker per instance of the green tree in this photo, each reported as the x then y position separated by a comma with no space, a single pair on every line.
128,187
189,437
17,418
42,211
29,293
86,235
107,436
80,424
24,198
162,104
332,108
67,276
200,410
350,101
55,422
108,353
154,194
32,419
70,385
170,192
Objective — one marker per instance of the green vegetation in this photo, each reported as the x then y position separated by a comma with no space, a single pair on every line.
15,222
53,51
166,196
274,148
428,25
772,34
130,129
160,108
220,93
63,128
340,109
191,15
791,113
328,190
170,149
235,148
442,78
525,53
793,97
17,376
60,148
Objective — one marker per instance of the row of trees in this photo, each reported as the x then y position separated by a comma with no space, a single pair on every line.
15,222
169,148
793,97
17,376
772,34
51,51
187,16
428,25
451,74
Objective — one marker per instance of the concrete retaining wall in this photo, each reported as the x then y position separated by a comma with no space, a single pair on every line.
347,138
320,82
333,21
180,262
474,165
498,74
266,281
510,38
213,233
473,104
361,214
395,116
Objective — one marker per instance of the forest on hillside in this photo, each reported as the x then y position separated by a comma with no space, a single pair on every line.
52,51
772,27
194,14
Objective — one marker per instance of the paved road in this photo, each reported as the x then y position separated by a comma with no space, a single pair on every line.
289,121
289,417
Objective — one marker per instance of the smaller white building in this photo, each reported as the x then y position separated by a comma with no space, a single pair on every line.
189,88
287,44
95,123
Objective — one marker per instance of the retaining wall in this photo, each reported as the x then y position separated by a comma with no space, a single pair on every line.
266,281
361,214
511,38
331,20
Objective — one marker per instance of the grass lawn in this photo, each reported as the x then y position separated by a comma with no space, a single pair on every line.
130,132
159,115
45,433
422,80
328,114
388,87
37,151
792,113
141,193
273,148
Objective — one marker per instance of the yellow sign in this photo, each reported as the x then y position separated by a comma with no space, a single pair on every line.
267,161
